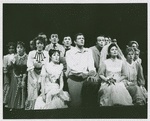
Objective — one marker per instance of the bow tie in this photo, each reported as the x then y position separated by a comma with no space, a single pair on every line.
67,48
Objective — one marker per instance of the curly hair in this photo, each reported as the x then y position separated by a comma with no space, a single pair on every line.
21,43
129,49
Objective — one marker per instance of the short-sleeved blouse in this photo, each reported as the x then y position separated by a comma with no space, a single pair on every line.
112,68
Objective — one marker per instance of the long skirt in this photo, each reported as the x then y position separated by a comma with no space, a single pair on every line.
6,88
110,95
54,98
16,95
33,92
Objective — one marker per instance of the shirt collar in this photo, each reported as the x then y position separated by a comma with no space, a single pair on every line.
53,44
20,57
67,47
79,51
99,48
38,51
53,64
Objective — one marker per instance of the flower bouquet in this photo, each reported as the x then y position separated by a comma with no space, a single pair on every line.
111,81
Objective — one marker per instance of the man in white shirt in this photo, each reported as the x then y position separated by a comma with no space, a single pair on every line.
80,68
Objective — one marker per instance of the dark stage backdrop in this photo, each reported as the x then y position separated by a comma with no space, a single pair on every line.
125,22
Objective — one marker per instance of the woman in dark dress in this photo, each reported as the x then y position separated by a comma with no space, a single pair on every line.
7,70
16,96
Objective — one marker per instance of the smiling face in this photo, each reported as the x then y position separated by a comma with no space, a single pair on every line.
67,41
79,41
54,38
39,45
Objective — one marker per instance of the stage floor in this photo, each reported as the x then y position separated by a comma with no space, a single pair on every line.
116,112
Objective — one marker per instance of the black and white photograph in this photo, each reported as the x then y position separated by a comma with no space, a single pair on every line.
74,61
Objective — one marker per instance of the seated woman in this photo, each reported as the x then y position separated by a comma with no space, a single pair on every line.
52,94
112,72
135,83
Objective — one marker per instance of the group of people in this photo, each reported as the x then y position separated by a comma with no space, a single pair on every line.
56,76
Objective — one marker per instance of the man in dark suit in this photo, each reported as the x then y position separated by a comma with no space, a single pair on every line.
67,43
96,50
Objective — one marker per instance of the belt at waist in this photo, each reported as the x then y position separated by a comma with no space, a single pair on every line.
76,78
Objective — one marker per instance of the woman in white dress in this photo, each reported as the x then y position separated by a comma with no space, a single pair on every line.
112,72
52,96
36,59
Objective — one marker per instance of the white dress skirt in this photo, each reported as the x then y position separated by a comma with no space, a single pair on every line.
34,57
114,94
55,97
